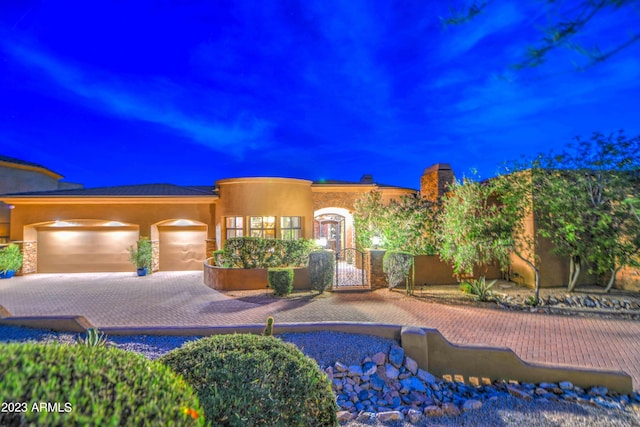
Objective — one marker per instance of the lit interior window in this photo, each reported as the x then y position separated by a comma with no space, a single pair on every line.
262,226
290,227
234,226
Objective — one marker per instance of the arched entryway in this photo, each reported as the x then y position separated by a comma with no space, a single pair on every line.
335,227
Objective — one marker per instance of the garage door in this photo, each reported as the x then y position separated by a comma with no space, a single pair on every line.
85,249
182,247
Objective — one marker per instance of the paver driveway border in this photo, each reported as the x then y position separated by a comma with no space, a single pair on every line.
180,299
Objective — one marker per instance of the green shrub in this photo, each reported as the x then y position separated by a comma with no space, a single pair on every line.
280,280
142,255
93,338
396,265
10,258
101,386
321,270
480,288
219,259
256,252
251,380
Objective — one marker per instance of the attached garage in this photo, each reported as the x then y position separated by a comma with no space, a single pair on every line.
182,247
79,248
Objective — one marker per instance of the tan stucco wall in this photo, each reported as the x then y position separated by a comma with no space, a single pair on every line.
345,196
14,179
143,214
264,197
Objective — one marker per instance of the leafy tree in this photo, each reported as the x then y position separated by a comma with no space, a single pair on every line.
560,210
586,204
406,224
369,218
483,222
564,22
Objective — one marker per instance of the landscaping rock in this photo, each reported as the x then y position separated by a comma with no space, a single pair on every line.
391,372
373,392
390,416
411,365
471,404
379,358
396,356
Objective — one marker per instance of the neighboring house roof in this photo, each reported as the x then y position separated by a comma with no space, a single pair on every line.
28,165
149,190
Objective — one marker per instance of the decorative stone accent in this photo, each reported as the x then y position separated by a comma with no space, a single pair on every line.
29,257
155,254
377,279
211,246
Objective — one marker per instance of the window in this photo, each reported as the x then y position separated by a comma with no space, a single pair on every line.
262,226
234,226
290,227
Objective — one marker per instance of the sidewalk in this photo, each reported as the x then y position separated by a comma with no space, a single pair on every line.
180,299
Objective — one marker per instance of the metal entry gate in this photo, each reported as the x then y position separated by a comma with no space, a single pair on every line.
350,271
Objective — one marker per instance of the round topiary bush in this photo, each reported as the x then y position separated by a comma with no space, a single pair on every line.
63,385
250,380
280,280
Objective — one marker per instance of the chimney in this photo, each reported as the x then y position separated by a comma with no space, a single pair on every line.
435,181
366,179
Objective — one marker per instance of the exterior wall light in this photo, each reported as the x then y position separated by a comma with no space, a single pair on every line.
376,241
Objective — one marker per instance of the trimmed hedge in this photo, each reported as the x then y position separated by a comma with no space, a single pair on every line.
102,386
251,380
256,252
321,270
280,280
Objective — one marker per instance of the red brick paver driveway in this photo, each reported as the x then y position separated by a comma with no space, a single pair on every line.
180,299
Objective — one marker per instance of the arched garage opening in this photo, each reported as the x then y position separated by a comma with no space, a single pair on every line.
80,246
181,244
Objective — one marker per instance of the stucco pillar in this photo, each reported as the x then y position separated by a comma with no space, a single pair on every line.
377,279
414,343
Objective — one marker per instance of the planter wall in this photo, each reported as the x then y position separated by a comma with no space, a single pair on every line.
430,270
236,279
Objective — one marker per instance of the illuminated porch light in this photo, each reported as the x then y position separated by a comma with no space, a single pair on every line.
376,241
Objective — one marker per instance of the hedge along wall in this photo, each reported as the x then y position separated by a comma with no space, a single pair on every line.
236,279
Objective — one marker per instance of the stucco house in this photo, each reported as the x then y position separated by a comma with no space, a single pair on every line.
66,229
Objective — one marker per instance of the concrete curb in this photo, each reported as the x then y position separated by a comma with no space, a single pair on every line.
432,351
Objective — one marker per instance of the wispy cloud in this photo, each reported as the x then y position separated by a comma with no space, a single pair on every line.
113,95
463,38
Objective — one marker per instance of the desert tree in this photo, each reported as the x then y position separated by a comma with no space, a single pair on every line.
562,26
585,200
484,222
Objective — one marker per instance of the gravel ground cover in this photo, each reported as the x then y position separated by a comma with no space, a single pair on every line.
329,347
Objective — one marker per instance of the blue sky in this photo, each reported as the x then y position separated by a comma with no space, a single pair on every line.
113,92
